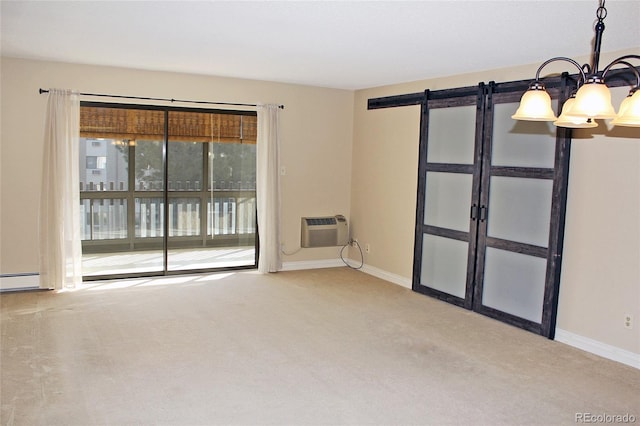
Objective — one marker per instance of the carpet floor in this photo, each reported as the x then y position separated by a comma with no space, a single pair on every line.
332,347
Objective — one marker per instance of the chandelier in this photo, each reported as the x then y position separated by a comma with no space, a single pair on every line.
592,99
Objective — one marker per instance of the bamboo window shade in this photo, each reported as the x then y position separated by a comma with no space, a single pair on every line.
140,124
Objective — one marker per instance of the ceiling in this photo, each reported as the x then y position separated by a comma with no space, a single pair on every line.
338,44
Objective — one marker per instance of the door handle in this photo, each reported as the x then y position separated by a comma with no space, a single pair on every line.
483,213
474,211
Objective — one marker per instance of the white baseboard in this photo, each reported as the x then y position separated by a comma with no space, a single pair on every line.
598,348
312,264
14,282
336,263
387,276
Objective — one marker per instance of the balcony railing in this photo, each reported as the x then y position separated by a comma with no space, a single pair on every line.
196,217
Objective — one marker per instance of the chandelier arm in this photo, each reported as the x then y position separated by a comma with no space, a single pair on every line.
621,60
634,70
562,58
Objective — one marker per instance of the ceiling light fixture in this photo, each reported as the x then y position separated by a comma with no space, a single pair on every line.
593,98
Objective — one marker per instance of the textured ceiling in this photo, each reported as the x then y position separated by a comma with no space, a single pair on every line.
339,44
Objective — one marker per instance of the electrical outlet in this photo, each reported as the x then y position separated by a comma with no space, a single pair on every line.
628,321
367,248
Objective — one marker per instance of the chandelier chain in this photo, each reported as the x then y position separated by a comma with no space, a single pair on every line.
601,13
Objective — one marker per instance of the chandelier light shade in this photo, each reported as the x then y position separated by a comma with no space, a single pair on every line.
629,114
535,105
593,98
568,119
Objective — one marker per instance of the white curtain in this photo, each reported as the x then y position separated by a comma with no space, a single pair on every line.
60,249
268,188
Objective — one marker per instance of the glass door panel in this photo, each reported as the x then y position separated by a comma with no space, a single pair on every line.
521,143
444,264
514,283
121,164
452,135
211,190
519,209
447,200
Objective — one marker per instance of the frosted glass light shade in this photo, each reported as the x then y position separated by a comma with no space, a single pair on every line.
535,105
566,119
593,100
629,114
575,123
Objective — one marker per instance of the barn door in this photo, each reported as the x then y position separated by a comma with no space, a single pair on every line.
490,211
448,194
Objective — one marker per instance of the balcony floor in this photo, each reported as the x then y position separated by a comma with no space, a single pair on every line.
136,262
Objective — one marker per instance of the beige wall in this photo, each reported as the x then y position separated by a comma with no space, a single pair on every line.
601,270
316,129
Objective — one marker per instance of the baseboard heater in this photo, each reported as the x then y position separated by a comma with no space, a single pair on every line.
325,231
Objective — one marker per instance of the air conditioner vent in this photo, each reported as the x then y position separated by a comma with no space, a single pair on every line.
314,221
324,231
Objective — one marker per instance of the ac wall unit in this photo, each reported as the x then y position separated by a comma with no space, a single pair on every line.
324,231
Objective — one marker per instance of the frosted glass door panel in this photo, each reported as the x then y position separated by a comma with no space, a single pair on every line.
452,135
521,143
514,283
448,198
519,209
444,264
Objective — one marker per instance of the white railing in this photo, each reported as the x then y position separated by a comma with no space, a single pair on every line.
107,218
187,185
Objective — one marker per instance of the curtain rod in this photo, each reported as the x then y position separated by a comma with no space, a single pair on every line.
41,91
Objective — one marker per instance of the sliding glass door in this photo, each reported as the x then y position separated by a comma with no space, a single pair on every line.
165,190
211,190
